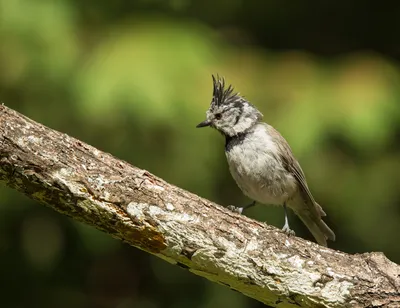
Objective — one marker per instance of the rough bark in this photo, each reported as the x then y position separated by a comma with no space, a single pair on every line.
141,209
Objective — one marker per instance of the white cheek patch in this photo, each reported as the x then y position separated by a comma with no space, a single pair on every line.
243,124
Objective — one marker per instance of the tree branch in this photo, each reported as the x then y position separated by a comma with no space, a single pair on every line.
143,210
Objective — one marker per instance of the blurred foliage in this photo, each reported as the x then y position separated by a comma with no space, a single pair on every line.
133,78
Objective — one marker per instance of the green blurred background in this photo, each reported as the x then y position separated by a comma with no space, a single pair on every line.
133,78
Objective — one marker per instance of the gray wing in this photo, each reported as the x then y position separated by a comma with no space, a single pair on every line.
292,165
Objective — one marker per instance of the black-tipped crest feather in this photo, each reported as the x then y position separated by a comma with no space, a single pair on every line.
222,95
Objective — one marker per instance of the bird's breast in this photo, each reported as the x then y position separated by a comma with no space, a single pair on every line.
258,171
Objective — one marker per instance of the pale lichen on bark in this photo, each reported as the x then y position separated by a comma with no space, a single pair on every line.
137,207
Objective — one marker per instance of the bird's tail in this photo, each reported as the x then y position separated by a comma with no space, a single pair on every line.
317,226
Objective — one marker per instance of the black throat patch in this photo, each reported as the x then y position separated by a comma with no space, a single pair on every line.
231,142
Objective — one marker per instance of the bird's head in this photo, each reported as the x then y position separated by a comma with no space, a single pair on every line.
229,113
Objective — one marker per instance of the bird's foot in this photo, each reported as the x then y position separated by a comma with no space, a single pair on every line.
286,227
235,209
288,231
240,210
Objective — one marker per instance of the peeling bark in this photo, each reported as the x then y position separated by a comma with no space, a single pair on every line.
141,209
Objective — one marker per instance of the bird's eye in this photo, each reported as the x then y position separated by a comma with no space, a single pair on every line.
218,116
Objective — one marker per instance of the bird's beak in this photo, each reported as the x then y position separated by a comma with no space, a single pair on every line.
204,124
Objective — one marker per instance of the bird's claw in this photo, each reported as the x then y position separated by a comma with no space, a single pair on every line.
288,231
235,209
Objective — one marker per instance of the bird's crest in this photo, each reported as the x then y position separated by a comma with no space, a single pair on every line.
221,94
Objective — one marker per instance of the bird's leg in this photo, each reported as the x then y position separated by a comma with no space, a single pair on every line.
286,227
241,209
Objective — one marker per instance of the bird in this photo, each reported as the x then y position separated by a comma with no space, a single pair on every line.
261,161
